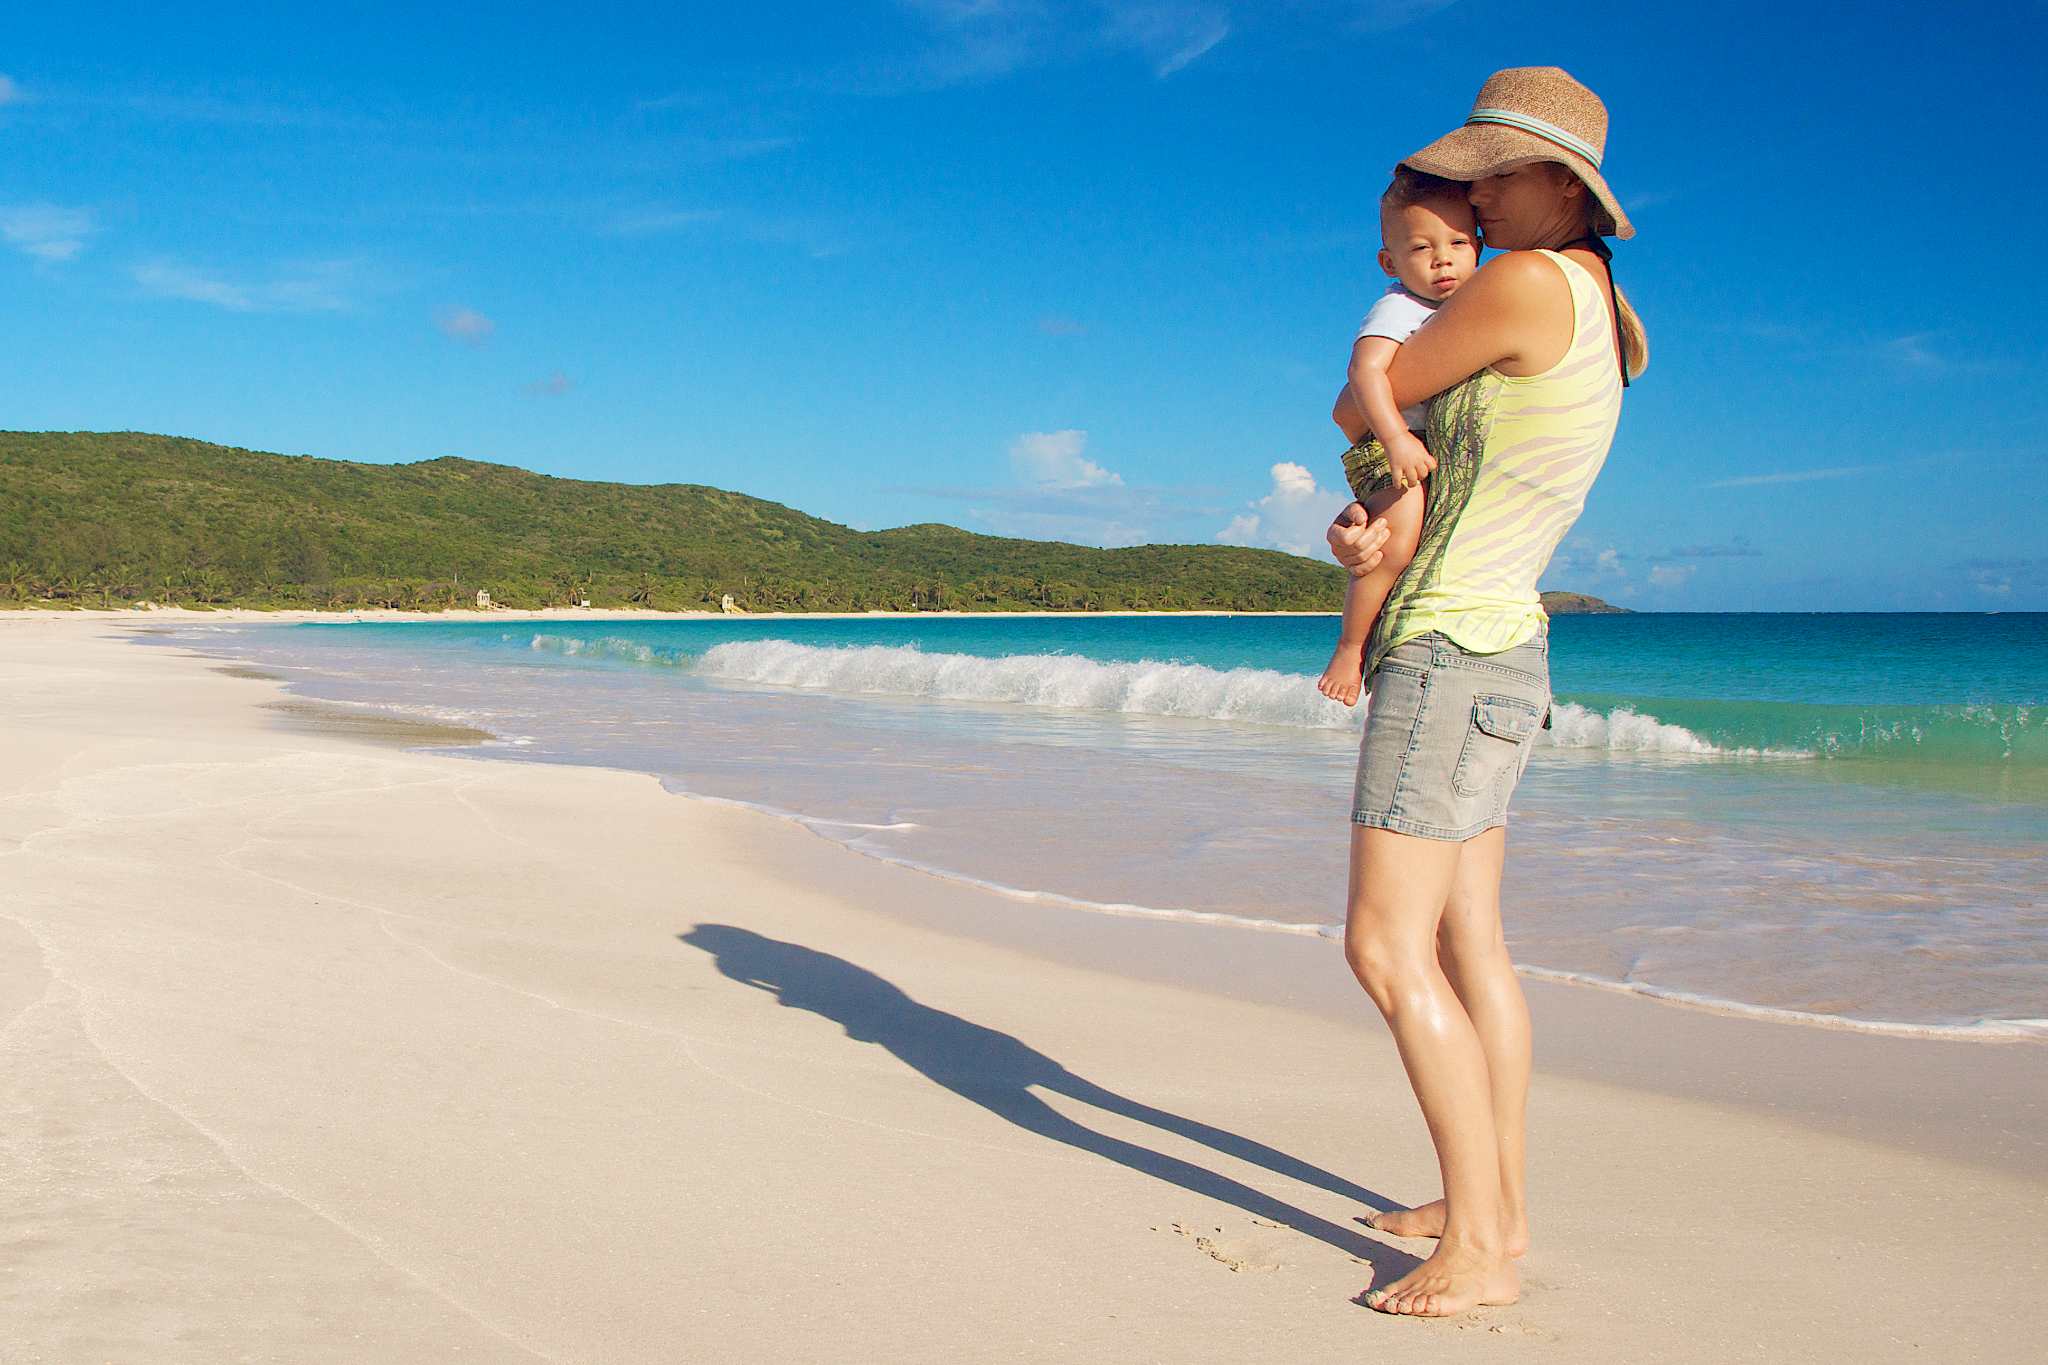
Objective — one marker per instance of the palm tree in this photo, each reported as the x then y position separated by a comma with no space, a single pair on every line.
643,591
211,586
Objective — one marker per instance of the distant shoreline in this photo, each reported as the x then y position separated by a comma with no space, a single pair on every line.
296,615
1578,606
389,614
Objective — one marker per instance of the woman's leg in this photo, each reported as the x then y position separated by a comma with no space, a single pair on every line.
1400,885
1474,953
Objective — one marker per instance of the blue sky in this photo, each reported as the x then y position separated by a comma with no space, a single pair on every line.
1082,270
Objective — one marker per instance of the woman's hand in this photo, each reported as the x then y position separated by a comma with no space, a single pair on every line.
1355,542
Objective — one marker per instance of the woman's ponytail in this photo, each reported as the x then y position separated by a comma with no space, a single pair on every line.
1635,342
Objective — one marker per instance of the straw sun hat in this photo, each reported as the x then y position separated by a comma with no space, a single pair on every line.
1525,114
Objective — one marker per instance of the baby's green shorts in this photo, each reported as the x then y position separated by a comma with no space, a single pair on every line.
1366,468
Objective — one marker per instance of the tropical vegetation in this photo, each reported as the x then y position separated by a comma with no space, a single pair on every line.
110,519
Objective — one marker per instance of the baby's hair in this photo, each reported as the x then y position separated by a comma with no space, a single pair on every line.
1419,187
1416,187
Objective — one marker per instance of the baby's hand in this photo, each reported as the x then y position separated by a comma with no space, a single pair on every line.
1410,461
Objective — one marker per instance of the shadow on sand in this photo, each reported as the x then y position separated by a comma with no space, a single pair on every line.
999,1073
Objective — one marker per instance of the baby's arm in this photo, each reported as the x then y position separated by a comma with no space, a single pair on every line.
1373,396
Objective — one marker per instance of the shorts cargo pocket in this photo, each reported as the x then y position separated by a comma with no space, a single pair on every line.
1501,729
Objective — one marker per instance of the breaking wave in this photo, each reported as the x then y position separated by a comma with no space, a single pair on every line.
1251,696
2012,736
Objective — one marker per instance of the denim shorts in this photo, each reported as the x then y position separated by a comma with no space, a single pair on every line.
1448,735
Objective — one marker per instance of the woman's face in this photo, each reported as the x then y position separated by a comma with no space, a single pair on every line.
1540,204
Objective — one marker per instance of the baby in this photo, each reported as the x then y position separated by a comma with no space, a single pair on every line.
1429,244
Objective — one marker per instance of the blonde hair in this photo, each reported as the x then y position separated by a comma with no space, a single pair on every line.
1634,337
1417,187
1635,341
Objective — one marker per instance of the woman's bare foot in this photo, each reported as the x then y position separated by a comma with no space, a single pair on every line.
1428,1221
1455,1280
1345,676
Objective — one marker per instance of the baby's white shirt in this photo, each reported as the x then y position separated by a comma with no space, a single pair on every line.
1396,316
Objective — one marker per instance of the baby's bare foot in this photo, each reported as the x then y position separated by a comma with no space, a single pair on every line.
1455,1280
1345,676
1428,1221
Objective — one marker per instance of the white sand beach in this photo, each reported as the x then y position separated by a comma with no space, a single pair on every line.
319,1048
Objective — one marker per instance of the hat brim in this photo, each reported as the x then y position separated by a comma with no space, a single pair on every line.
1478,150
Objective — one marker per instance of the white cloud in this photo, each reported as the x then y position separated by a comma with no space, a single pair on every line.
1913,352
649,222
1171,37
1378,16
305,287
1242,530
45,231
1609,561
1671,575
977,40
10,92
549,386
1054,460
1292,517
169,280
1799,476
465,325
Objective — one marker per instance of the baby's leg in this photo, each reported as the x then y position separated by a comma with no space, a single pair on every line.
1346,671
1363,597
1402,511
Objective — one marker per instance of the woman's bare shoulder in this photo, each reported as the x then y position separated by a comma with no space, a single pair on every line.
1518,271
1515,285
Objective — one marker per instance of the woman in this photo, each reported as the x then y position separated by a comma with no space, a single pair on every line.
1526,362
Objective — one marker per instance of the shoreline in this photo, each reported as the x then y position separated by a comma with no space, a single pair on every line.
1071,944
1996,1031
334,1051
387,615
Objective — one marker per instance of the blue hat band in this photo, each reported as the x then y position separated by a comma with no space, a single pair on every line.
1542,128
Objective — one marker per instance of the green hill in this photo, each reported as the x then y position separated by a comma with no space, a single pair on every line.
109,518
1579,604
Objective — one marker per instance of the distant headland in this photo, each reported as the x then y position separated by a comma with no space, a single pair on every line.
1579,604
109,519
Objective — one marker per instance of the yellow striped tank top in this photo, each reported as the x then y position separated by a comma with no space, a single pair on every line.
1516,455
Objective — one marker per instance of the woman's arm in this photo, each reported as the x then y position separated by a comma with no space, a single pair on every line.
1348,416
1515,313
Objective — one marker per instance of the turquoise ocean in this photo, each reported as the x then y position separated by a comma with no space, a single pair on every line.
1838,818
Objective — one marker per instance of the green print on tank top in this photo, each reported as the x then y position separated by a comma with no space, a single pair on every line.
1459,421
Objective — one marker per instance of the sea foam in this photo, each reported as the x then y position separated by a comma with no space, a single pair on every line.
1255,696
1249,696
1258,696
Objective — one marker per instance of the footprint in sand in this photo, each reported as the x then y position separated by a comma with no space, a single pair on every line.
1256,1249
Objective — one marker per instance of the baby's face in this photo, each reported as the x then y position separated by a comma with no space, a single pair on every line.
1431,247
